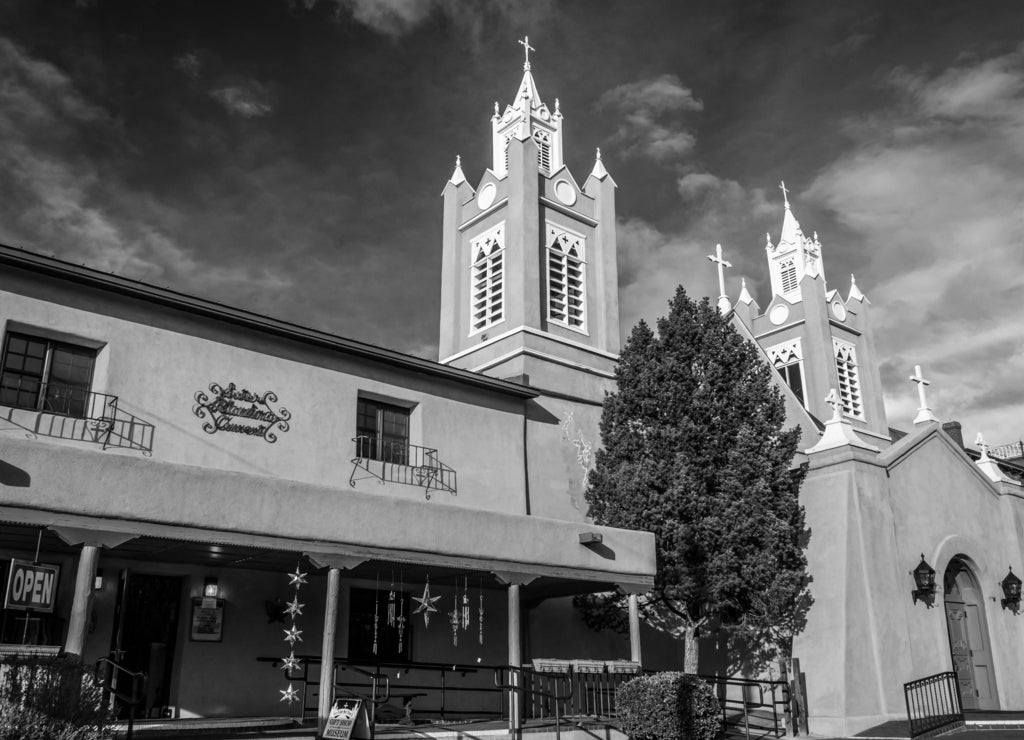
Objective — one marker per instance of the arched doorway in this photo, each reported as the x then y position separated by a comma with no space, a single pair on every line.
968,636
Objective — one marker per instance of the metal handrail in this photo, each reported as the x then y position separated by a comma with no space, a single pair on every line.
933,702
747,705
130,700
516,685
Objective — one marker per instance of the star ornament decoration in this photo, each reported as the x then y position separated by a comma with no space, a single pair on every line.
294,607
291,663
426,604
290,694
292,635
297,579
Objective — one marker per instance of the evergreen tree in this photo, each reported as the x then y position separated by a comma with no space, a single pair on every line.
693,450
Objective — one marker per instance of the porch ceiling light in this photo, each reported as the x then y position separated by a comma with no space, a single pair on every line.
924,579
1011,591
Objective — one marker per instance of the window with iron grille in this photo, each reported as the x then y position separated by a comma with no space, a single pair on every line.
487,281
849,381
46,375
787,359
382,431
788,276
566,273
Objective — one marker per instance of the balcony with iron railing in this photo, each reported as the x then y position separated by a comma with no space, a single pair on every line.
397,461
70,412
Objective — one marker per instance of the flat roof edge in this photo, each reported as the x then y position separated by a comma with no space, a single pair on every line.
54,267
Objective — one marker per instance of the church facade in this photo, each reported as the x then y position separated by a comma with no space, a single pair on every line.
167,460
880,503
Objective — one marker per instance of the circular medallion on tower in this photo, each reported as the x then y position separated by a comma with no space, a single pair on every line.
839,310
779,314
486,196
565,192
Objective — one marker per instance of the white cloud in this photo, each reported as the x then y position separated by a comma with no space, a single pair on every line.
932,188
652,113
248,100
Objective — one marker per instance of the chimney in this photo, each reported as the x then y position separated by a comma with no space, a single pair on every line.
952,428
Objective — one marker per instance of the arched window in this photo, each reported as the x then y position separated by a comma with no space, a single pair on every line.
849,381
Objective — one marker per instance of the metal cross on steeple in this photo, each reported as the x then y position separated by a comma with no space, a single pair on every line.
924,414
785,192
723,300
980,441
525,41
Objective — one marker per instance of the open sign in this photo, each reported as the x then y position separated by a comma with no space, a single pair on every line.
32,586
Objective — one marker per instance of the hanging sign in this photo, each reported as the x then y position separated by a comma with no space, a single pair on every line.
32,586
347,721
238,410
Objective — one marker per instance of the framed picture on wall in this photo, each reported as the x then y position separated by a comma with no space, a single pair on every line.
207,620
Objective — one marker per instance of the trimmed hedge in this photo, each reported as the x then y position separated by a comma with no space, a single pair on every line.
50,698
668,706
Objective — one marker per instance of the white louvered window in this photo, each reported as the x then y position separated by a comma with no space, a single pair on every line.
849,380
487,278
787,273
543,150
567,299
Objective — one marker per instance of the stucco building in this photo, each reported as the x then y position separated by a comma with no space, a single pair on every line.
174,458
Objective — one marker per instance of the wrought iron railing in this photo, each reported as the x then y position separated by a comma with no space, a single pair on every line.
122,687
69,412
397,461
933,704
751,707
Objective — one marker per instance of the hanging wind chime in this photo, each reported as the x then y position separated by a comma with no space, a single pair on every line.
376,612
481,613
400,620
293,634
391,602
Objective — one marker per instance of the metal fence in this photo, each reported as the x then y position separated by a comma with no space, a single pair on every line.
933,704
400,462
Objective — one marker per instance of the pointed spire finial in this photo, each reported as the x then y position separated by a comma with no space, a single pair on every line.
525,41
557,106
599,171
785,192
457,177
980,441
768,240
745,296
496,110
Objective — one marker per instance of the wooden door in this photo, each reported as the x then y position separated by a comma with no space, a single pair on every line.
981,656
960,647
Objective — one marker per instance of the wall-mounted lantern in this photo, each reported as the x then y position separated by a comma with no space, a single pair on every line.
924,579
210,587
1011,592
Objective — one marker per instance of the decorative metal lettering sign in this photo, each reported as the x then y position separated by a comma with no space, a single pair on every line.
238,410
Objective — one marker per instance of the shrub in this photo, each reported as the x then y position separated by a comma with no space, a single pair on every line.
50,697
668,706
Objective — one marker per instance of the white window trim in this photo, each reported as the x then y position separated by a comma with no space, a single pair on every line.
553,231
498,233
786,354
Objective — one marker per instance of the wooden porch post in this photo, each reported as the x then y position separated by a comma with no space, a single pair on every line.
327,653
634,628
87,560
515,644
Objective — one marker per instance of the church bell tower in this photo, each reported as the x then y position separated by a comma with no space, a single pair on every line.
529,276
816,339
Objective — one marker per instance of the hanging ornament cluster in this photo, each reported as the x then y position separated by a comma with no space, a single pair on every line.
293,634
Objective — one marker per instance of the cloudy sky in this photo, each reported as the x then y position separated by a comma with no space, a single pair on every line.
287,156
